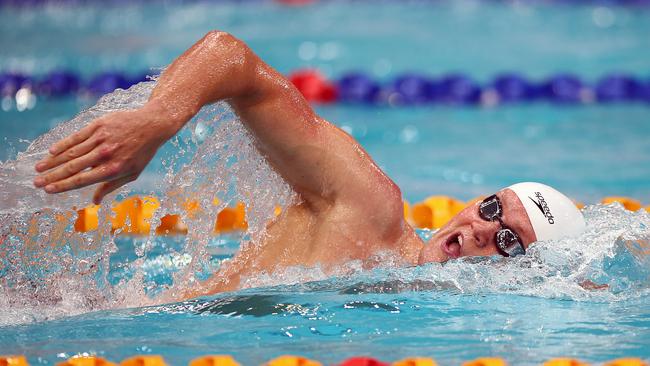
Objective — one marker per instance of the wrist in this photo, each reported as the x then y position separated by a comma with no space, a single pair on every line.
171,117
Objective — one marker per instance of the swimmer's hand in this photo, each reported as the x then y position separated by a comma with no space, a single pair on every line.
113,149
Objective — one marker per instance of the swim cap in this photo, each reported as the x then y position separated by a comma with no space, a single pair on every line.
552,214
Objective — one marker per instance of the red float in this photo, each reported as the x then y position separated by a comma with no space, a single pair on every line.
362,361
313,86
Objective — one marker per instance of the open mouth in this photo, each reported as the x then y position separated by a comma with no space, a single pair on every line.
453,245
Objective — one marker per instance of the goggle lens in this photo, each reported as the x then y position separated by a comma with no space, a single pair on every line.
507,241
490,209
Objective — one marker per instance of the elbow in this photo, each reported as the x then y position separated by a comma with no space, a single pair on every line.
231,56
224,43
218,37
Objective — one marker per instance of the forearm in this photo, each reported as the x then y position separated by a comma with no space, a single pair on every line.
217,67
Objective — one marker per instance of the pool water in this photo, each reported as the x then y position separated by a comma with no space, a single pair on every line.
525,310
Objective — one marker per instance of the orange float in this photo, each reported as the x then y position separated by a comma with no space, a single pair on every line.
86,361
87,219
231,219
171,225
144,360
13,361
435,211
133,215
214,360
288,360
486,361
415,361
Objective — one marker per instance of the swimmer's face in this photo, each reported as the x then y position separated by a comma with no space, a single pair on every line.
467,234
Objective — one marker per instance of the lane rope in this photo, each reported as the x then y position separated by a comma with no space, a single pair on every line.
359,88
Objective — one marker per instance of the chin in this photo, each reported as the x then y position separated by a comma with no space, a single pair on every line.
432,251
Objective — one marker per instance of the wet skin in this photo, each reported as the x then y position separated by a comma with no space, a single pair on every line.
349,210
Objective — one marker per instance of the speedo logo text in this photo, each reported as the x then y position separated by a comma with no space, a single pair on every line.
543,207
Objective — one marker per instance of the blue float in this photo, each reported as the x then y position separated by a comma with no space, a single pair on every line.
11,82
643,91
564,88
411,89
616,87
357,87
513,88
458,89
58,83
107,82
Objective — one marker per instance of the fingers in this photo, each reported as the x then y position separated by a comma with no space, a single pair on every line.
109,187
71,153
69,169
73,139
84,178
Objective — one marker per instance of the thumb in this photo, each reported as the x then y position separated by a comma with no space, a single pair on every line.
108,187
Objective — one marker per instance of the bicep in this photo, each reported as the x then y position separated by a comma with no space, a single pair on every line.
320,161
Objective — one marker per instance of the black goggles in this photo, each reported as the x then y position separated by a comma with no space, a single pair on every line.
508,242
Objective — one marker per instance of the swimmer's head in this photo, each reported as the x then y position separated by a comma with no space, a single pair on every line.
506,223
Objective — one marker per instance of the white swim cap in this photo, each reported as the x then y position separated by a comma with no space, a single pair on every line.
552,214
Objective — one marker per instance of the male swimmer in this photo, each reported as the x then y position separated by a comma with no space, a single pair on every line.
349,209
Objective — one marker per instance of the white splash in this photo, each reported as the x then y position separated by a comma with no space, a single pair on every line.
48,270
614,251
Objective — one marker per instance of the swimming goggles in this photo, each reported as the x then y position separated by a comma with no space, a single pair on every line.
508,242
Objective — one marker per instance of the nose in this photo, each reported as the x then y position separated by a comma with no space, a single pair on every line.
484,231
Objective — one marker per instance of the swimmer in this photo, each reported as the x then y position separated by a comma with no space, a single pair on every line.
349,209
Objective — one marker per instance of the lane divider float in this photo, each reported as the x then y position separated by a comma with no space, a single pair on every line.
133,215
292,360
358,87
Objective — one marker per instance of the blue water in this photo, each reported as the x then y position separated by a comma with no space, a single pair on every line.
526,311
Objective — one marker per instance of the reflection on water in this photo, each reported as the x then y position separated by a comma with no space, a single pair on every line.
253,305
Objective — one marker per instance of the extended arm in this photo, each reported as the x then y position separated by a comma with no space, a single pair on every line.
321,162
